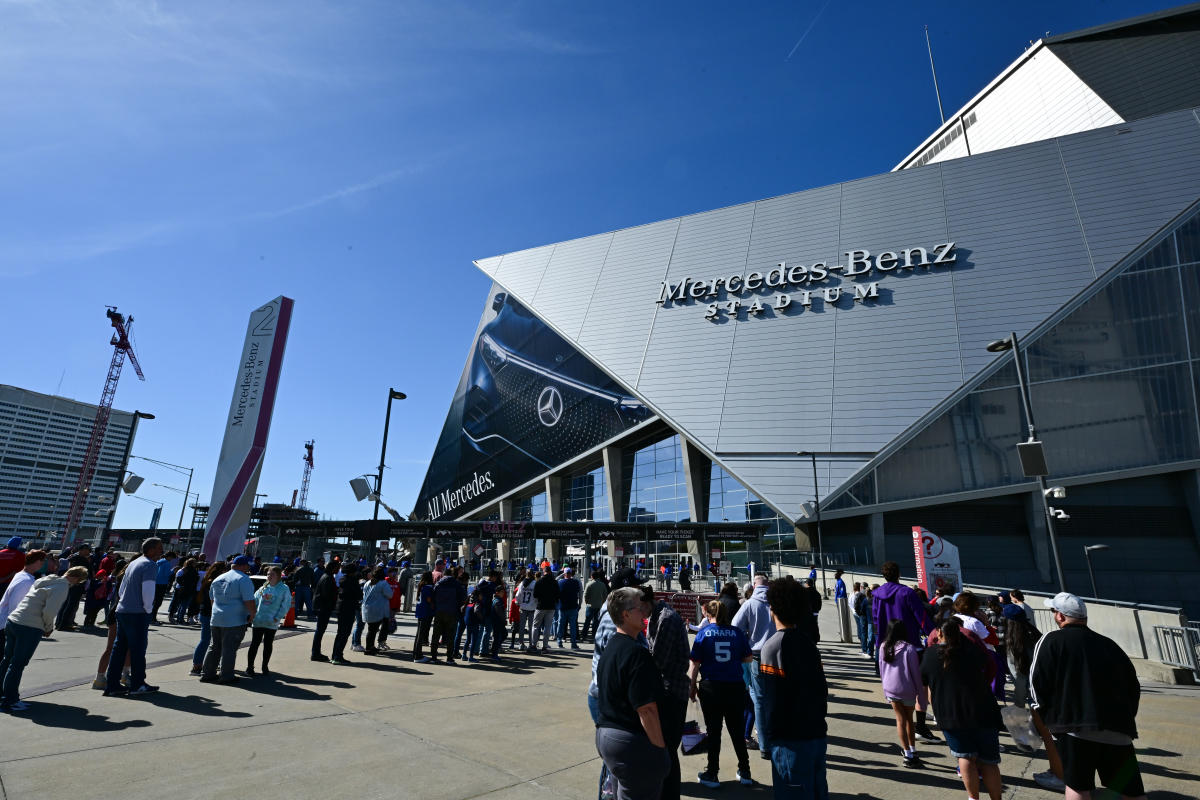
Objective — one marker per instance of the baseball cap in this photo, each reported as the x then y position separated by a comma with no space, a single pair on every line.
624,577
569,571
1068,605
15,543
1004,597
242,561
1013,611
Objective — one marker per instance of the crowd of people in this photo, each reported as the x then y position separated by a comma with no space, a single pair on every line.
751,667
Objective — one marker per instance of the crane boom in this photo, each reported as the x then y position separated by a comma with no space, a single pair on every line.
308,468
87,471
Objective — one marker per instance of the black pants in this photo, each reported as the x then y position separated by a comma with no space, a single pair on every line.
322,624
373,632
422,637
344,625
160,591
724,702
66,615
671,713
265,637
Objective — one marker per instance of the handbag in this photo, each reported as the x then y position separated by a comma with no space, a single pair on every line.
1019,723
695,741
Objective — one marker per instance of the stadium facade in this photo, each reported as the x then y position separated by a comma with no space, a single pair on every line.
699,368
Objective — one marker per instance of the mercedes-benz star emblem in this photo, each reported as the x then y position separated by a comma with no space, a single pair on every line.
550,406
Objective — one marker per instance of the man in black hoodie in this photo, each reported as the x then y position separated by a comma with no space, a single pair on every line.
1085,689
325,602
545,592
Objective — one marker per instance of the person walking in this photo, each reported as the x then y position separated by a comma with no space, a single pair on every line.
205,613
569,594
629,734
376,608
594,595
348,611
135,609
1086,691
753,618
893,600
424,614
545,593
324,602
794,698
33,618
272,601
717,658
305,578
900,671
233,606
956,670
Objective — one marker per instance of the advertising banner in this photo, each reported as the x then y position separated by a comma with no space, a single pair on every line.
527,401
937,562
246,429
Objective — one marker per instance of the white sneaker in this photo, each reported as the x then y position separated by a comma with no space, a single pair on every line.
744,779
357,648
1048,780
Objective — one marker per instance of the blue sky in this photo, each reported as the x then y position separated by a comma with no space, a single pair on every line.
189,161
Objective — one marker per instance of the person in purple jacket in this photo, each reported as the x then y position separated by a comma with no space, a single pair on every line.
892,601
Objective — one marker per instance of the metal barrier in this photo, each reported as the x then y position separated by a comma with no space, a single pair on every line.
1179,647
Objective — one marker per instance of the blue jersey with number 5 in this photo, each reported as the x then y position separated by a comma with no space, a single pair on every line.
720,650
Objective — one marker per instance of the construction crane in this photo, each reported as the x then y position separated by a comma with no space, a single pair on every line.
122,348
308,468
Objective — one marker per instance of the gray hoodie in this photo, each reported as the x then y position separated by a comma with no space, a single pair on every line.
754,619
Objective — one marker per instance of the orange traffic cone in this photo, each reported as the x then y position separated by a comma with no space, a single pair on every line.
290,620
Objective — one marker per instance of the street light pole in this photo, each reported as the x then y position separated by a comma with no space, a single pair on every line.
387,421
137,415
1087,554
1011,344
817,510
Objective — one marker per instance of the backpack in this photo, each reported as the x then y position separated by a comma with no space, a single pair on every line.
860,606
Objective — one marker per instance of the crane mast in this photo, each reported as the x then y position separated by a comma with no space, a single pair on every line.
308,468
122,348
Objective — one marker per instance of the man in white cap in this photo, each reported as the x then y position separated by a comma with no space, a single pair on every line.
1086,691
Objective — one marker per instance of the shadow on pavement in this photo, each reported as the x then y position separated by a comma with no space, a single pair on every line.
282,678
275,688
190,704
53,715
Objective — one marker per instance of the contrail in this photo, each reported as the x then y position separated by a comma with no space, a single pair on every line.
807,31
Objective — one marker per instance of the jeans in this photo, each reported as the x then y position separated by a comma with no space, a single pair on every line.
222,652
205,639
132,633
304,600
724,702
569,620
160,591
474,635
591,618
541,627
178,608
19,643
358,627
798,769
750,674
863,639
322,624
265,637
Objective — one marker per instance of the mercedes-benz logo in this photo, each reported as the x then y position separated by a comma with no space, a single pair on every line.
550,406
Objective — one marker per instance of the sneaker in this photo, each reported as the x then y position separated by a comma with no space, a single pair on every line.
450,662
100,683
576,647
196,671
744,778
370,652
423,660
1048,780
925,735
338,662
383,646
232,679
208,678
751,744
913,762
265,671
122,692
709,780
868,656
17,706
357,648
249,672
430,661
318,657
145,688
470,659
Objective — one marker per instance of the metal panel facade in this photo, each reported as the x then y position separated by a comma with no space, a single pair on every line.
1032,226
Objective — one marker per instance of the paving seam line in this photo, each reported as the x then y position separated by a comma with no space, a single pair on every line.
531,780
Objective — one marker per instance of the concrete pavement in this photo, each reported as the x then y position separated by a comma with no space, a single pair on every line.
386,727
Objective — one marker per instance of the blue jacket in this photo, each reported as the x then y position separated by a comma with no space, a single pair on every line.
569,592
375,606
449,595
273,604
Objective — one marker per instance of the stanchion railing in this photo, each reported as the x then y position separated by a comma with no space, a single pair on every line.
1179,646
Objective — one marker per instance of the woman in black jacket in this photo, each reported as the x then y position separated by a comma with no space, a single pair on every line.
324,601
956,672
349,599
729,598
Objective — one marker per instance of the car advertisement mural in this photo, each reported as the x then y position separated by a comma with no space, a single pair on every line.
527,402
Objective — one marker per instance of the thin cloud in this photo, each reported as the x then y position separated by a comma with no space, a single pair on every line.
376,182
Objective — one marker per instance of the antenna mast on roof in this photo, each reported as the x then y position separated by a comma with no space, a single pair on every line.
933,69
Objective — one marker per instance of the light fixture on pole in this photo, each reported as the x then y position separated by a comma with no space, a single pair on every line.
137,417
1087,553
1033,457
180,469
387,421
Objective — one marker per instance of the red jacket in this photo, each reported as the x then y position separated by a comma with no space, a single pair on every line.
11,562
397,598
